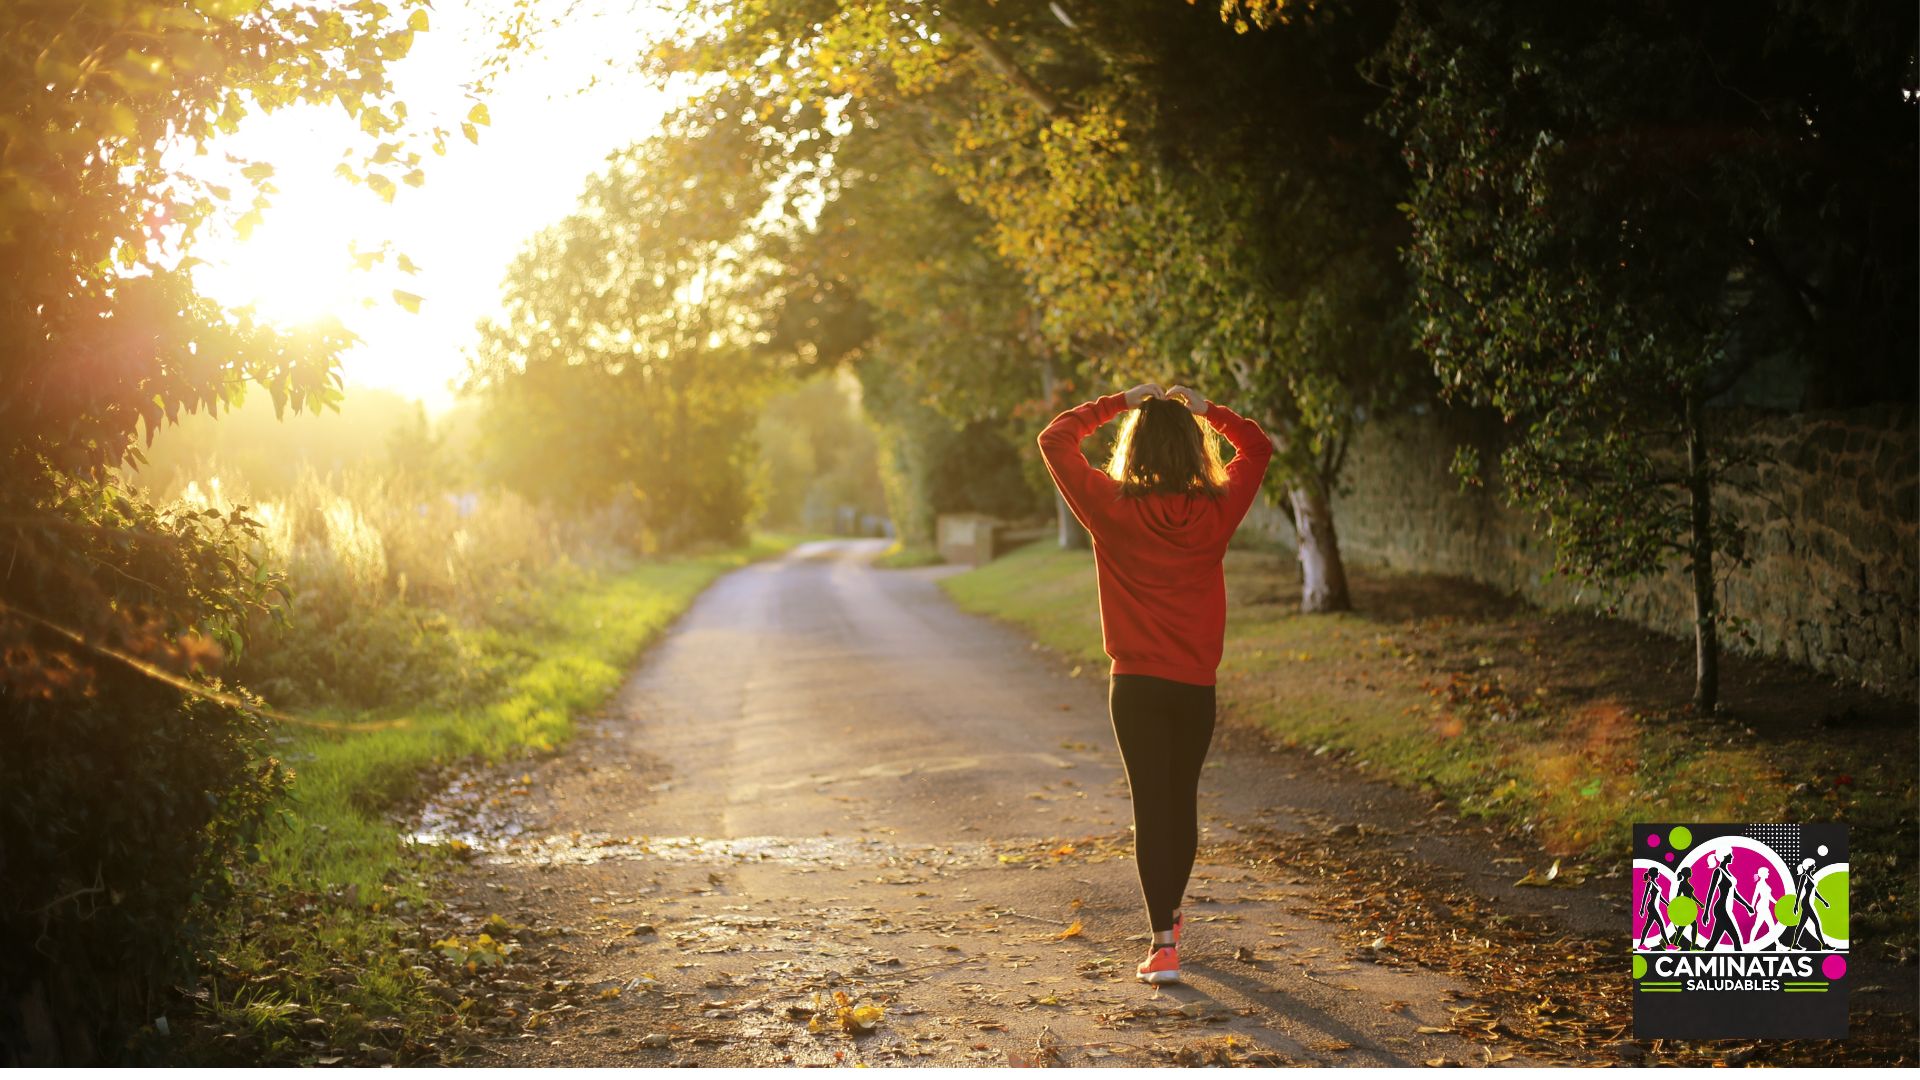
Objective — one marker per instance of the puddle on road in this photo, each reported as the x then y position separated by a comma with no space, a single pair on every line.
825,851
479,814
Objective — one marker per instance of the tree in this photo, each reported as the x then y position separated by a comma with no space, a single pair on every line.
1162,211
818,455
952,342
1618,211
131,772
629,359
1216,201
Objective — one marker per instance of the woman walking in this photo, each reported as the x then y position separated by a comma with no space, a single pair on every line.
1160,517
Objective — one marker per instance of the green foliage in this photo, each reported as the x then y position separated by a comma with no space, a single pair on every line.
1151,191
105,335
125,792
1586,270
388,582
626,366
904,557
894,276
368,428
119,817
119,795
817,454
1252,254
1617,214
933,465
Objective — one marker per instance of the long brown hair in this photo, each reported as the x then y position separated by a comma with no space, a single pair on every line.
1164,448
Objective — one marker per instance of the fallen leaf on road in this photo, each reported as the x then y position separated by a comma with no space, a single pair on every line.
1071,931
854,1019
1553,876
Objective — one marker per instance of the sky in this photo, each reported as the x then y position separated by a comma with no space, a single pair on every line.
556,115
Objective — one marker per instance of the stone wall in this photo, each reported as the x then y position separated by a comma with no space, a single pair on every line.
1833,581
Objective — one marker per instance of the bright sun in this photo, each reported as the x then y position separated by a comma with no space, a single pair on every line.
298,265
552,126
292,271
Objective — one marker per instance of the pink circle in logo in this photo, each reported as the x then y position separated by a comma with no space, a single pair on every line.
1653,839
1834,966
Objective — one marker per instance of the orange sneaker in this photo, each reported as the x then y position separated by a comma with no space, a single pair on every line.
1162,965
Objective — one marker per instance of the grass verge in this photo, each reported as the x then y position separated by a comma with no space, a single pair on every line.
901,557
1561,726
330,953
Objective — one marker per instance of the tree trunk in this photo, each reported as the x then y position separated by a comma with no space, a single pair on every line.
1706,636
1072,536
1323,577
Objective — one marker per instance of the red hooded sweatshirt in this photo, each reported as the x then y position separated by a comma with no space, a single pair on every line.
1163,594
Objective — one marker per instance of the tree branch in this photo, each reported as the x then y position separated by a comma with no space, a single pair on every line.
1004,65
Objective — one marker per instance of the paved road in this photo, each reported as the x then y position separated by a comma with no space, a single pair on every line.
827,778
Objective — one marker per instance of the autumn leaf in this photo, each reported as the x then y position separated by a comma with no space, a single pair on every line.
410,301
1070,932
1535,878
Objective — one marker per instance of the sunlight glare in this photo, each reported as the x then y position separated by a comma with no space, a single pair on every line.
298,267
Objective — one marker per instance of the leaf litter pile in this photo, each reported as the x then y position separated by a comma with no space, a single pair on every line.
337,979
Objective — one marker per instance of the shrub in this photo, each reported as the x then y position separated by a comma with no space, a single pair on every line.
121,787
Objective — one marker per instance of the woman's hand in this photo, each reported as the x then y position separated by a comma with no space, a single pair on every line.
1191,398
1142,392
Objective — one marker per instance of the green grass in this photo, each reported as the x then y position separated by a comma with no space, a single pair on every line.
1047,591
582,644
902,557
324,928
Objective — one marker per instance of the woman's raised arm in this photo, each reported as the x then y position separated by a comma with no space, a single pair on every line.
1252,450
1084,487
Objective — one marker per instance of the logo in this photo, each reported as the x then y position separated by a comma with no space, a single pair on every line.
1740,931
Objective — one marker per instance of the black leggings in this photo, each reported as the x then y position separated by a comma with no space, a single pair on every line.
1163,728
